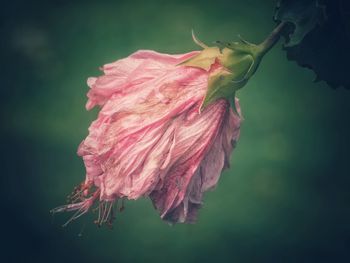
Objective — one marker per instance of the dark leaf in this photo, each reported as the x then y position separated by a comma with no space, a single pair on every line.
319,37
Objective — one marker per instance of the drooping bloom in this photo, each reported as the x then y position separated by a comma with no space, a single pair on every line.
165,130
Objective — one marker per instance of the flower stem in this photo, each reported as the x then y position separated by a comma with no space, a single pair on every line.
272,39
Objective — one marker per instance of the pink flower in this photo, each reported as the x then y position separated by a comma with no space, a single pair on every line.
165,129
153,137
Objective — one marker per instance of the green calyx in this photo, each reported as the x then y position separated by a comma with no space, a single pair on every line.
240,60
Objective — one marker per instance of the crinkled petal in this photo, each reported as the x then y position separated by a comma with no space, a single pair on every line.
124,74
150,138
199,142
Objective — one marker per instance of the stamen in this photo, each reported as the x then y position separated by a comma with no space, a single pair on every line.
111,218
109,204
76,215
80,202
81,207
80,192
121,209
105,214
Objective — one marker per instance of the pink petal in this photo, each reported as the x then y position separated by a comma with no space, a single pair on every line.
200,170
149,138
124,73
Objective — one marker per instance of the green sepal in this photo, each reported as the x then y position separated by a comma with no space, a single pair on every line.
225,82
221,84
204,59
233,104
239,62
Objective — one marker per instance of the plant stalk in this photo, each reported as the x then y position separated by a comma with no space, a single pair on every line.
272,39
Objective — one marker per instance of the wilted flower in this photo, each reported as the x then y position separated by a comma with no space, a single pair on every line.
165,129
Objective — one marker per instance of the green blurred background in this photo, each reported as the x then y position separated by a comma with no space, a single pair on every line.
285,198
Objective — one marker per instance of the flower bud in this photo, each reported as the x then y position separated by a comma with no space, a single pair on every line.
231,65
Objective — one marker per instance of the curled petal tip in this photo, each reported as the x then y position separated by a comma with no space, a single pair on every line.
197,41
244,41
